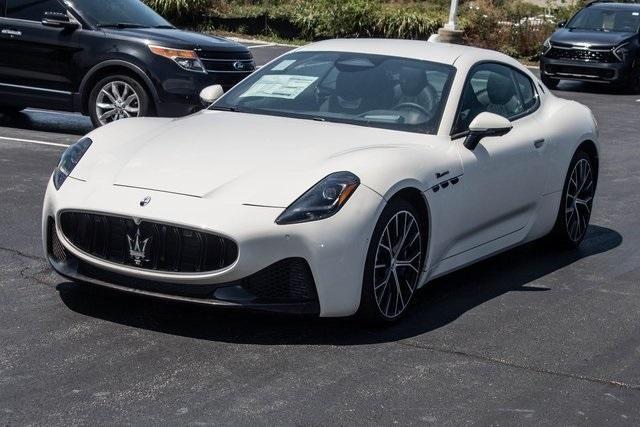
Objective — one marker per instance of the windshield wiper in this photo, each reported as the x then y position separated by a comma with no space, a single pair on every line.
221,108
168,27
122,25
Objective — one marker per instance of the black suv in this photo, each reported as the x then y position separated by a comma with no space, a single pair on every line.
109,59
598,44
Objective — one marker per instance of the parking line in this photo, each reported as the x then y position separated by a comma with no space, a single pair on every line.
260,45
32,141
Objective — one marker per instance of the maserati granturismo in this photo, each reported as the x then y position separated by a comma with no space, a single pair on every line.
337,180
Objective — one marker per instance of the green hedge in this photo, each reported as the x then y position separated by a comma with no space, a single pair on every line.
495,24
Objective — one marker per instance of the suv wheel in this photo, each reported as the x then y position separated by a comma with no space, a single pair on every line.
115,98
633,81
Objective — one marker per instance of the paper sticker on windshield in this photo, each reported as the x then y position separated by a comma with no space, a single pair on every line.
274,86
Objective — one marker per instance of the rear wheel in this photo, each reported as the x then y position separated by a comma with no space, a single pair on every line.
394,263
549,82
577,201
117,97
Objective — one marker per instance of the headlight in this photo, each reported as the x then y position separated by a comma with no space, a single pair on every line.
622,52
323,200
70,159
187,59
546,46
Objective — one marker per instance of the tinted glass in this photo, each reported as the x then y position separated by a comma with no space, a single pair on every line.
491,88
606,20
119,12
527,91
32,10
367,90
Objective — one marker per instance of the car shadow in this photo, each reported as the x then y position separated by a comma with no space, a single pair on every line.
438,304
47,121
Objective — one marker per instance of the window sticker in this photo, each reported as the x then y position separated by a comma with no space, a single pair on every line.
283,65
279,86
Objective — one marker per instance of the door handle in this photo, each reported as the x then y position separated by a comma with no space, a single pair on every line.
11,33
538,143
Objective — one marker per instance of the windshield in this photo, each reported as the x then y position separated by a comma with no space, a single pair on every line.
609,20
119,13
368,90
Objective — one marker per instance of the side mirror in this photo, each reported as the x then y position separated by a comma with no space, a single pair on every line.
562,24
486,125
211,94
59,20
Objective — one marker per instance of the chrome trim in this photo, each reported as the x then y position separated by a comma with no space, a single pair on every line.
62,92
225,60
230,72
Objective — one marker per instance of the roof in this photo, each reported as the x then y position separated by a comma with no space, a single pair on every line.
443,53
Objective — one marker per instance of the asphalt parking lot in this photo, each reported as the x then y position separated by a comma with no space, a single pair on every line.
533,336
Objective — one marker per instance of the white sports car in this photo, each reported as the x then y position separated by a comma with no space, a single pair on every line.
336,180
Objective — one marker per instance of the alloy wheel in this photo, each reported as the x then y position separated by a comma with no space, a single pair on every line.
117,100
579,200
398,263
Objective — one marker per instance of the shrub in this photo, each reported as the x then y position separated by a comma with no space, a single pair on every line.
180,10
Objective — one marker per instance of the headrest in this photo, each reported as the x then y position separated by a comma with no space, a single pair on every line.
500,89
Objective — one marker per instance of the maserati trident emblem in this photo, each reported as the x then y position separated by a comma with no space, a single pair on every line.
138,248
144,202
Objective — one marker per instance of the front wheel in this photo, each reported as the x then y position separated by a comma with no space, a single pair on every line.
117,97
394,263
577,202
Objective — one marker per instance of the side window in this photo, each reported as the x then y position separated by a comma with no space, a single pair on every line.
527,90
32,10
491,88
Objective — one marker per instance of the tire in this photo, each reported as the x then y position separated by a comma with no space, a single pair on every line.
117,97
549,82
576,204
631,84
386,303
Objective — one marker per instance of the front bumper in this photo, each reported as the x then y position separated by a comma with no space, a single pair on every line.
584,71
178,91
334,250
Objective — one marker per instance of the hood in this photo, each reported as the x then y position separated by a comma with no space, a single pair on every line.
593,38
243,158
178,39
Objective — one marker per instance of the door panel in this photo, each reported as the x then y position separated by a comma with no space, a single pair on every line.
503,183
37,63
504,177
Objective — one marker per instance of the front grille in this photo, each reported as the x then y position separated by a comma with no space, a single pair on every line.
227,62
147,245
584,55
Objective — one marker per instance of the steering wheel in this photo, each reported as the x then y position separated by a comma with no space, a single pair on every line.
414,106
